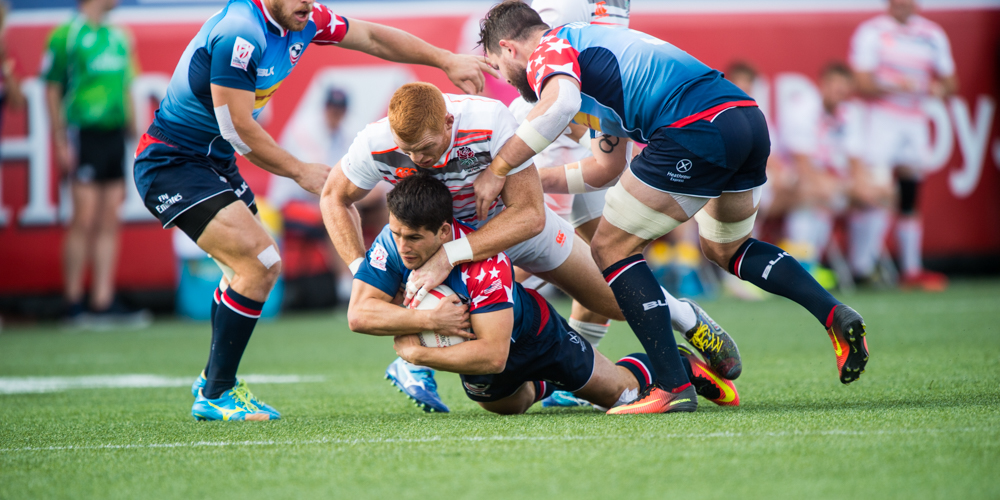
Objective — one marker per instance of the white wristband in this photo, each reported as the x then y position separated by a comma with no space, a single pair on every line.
355,264
574,179
458,251
536,141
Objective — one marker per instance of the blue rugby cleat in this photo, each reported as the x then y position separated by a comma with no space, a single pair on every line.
564,399
417,383
199,384
234,404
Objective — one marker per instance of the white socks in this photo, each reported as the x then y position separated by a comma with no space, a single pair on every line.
909,234
593,332
682,316
867,232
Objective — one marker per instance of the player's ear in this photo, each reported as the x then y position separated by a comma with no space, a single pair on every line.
444,231
506,45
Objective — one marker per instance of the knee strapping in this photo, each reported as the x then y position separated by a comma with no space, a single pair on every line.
629,214
723,232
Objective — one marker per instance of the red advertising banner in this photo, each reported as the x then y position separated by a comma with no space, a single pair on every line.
960,200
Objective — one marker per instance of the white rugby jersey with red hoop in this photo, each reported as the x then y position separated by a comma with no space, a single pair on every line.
482,126
902,55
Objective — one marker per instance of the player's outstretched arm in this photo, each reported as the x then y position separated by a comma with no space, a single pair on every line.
391,44
487,355
234,111
594,173
557,105
521,220
341,217
372,312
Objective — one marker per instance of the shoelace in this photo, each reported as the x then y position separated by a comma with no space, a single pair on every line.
705,340
242,394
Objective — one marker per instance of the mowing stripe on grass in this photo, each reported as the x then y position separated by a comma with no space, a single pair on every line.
476,439
33,385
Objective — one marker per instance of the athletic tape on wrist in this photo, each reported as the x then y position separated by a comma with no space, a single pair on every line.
536,141
574,178
458,251
228,130
355,265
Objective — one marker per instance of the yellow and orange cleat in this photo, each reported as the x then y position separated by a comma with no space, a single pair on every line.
709,384
656,400
847,332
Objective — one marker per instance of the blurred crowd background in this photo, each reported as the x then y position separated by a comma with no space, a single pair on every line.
867,189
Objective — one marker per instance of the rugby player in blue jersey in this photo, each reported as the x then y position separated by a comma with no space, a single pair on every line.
706,154
185,164
523,350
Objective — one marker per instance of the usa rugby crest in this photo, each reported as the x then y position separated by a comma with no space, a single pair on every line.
294,52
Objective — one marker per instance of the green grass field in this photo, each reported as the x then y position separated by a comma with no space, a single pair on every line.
923,421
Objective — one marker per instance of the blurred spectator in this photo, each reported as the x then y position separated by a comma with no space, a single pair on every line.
823,133
324,140
900,59
10,88
88,67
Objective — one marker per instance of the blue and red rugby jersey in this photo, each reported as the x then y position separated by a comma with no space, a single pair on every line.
239,47
631,83
485,286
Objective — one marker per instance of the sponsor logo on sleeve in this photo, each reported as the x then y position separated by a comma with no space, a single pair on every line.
242,50
402,172
378,257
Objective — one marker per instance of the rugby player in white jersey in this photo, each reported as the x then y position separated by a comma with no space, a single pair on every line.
454,138
902,59
823,133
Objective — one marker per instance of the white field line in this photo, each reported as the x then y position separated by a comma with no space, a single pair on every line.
478,439
33,385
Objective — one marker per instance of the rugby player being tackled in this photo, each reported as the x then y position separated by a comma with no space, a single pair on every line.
185,166
707,149
454,138
523,350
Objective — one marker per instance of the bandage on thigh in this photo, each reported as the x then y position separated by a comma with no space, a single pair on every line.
629,214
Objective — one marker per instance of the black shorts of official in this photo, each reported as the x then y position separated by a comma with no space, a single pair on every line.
556,354
183,188
100,154
708,158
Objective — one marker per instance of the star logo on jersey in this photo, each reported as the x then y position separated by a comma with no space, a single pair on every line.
558,46
684,165
482,274
494,273
562,68
295,51
536,63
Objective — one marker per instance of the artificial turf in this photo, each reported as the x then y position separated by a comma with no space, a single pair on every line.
923,421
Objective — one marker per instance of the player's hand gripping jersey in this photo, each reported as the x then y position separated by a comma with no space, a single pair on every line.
485,286
633,84
482,126
240,47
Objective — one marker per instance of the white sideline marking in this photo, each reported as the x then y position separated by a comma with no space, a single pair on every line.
476,439
33,385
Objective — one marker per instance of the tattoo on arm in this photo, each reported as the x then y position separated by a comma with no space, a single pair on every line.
608,143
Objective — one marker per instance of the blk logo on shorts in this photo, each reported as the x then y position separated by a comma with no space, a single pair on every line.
684,165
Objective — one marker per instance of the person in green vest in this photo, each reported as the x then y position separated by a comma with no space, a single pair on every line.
88,67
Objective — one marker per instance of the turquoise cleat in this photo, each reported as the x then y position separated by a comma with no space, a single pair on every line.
417,383
235,404
564,399
199,384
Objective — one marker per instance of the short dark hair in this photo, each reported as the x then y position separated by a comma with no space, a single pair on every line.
741,67
420,201
836,67
508,20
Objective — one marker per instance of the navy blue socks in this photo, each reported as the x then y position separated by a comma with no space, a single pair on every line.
641,300
638,363
774,271
216,297
235,319
543,389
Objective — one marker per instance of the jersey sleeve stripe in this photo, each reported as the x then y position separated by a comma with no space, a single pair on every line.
385,151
